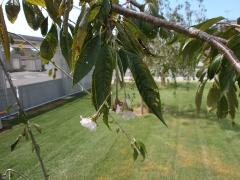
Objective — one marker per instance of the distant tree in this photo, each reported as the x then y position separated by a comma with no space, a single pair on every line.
168,60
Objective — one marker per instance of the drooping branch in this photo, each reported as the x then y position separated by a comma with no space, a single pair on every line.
214,41
22,112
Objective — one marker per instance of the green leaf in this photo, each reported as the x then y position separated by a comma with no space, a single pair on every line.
25,133
191,50
209,23
142,149
123,61
213,97
201,74
71,27
33,15
134,29
145,84
102,77
37,2
44,27
79,37
4,35
149,29
66,46
93,13
83,11
103,14
232,100
49,44
128,40
88,57
198,96
135,154
222,107
12,8
215,66
227,76
37,127
52,9
13,146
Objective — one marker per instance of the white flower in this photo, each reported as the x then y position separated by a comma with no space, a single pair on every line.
119,109
115,31
88,123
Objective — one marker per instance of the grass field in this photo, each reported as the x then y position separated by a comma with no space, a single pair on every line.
192,147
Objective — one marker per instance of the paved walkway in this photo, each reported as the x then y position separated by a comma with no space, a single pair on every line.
24,78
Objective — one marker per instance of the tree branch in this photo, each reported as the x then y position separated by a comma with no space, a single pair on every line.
135,3
21,111
191,32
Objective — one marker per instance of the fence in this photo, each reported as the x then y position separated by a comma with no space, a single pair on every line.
36,94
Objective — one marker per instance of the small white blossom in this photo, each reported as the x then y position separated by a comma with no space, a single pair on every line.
88,123
115,31
119,109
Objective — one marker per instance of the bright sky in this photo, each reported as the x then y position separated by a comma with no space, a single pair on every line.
226,8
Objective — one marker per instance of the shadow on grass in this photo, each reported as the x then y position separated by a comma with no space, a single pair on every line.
209,117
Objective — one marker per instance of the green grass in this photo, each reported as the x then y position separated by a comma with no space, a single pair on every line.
192,147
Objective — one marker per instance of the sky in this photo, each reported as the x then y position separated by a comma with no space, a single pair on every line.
227,8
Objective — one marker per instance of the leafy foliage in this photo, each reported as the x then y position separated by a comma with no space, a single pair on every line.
99,33
33,15
66,41
44,26
138,149
145,84
87,59
199,94
4,35
101,81
79,36
37,2
102,76
52,8
49,44
213,96
12,8
13,146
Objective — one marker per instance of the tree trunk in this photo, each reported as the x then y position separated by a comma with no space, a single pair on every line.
142,106
163,79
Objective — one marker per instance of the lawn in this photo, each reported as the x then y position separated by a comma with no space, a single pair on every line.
192,147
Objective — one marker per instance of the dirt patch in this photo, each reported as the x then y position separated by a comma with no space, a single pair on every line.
214,163
151,166
210,160
141,112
